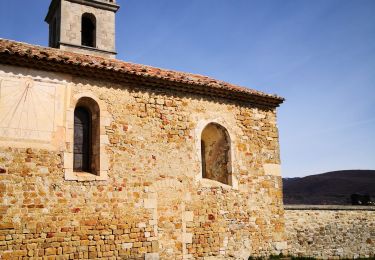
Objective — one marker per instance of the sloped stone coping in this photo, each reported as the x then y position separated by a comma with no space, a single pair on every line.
328,207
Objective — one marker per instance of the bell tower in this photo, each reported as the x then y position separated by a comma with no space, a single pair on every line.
84,26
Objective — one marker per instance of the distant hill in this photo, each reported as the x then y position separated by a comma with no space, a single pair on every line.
332,188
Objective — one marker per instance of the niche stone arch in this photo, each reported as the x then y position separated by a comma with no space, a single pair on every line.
215,154
101,119
227,136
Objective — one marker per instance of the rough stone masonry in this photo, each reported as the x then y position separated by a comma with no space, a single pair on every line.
101,158
147,198
330,232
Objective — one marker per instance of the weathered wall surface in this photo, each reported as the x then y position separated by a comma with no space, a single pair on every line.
330,231
153,202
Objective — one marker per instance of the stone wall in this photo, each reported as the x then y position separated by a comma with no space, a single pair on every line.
330,231
153,202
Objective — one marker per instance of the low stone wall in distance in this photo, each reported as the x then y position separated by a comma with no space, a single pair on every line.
330,231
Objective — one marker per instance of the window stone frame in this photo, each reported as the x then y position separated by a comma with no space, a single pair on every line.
105,120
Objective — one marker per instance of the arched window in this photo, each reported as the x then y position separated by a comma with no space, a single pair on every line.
88,32
215,149
86,136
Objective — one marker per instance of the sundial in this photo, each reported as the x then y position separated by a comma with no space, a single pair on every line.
27,109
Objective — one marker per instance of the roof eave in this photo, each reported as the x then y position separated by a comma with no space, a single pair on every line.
25,55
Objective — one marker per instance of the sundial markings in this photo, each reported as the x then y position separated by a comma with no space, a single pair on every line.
47,93
48,96
29,104
35,114
27,111
22,108
42,105
45,131
28,90
15,109
18,94
10,94
8,114
7,101
54,107
21,104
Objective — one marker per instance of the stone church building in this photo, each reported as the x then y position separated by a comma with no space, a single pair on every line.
101,158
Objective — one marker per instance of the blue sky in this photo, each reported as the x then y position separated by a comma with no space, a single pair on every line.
318,54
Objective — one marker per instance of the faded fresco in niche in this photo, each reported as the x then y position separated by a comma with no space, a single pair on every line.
215,147
29,109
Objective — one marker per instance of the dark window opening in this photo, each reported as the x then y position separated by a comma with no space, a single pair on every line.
82,140
88,30
203,155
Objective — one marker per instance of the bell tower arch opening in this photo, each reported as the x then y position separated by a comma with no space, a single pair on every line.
88,31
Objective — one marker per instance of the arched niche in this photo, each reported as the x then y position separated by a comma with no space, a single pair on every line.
216,154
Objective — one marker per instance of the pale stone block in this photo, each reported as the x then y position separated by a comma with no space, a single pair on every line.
43,135
234,182
69,135
102,177
69,118
281,245
68,160
150,203
187,196
69,175
187,238
127,245
153,195
43,170
70,126
141,225
104,162
258,116
84,176
104,139
151,256
272,169
243,188
105,121
188,216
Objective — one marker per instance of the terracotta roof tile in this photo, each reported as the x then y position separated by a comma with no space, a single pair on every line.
206,84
